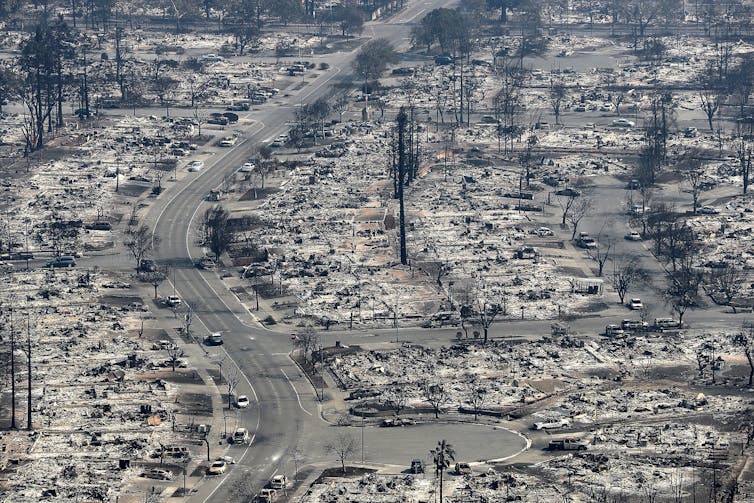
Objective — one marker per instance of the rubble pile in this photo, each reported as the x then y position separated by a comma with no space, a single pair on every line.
95,397
488,485
510,374
342,263
375,488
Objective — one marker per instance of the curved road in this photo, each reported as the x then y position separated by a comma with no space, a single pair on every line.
283,417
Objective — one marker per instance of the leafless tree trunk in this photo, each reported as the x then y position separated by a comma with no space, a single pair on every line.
728,282
343,446
557,95
623,278
13,424
476,394
579,208
745,341
306,341
691,168
174,353
436,395
601,254
232,377
396,397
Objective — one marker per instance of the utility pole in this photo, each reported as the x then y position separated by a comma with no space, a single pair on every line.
13,425
401,177
362,437
28,373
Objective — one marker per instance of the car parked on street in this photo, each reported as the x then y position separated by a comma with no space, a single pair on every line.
217,467
173,301
623,123
147,265
566,444
417,466
214,339
278,482
266,495
708,210
568,192
62,261
195,166
158,474
240,436
552,425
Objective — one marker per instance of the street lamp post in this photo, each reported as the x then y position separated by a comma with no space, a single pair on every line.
362,437
26,238
185,465
395,322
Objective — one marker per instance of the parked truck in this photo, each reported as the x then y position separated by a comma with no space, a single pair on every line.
567,444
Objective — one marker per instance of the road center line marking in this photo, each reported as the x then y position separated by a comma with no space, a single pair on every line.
296,392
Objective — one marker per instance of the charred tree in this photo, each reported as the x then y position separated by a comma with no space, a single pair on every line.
28,374
402,165
13,424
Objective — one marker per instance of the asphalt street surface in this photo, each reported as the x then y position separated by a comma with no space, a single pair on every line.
284,416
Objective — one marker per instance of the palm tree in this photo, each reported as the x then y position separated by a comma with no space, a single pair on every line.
442,455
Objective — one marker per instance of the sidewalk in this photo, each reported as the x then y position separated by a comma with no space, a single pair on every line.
196,357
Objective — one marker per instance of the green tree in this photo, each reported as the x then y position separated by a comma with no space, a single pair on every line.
373,58
503,5
317,112
244,22
442,456
286,10
218,234
449,28
350,20
10,83
9,7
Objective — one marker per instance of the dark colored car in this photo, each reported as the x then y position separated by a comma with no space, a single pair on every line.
62,261
417,466
568,192
148,265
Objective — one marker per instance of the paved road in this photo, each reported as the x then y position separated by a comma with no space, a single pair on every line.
471,442
284,415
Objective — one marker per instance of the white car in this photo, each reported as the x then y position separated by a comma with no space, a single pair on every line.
217,467
544,231
242,401
212,57
636,304
173,301
247,167
241,436
194,166
623,123
158,474
633,236
227,141
550,425
279,482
